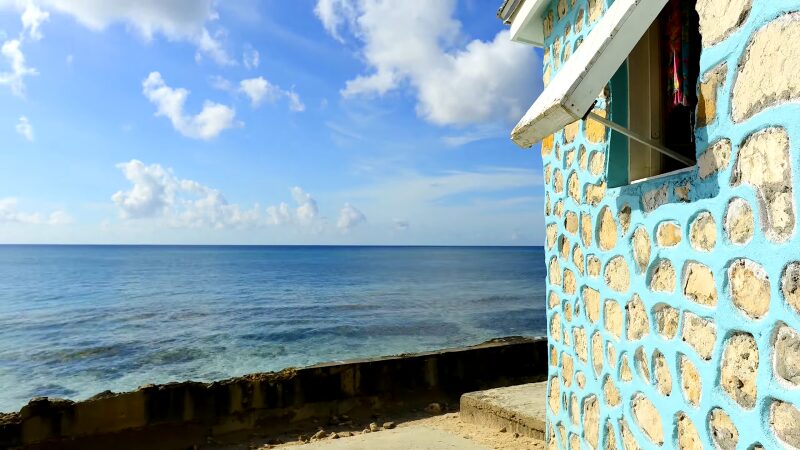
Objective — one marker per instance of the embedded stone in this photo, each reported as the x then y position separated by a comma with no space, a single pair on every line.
707,95
571,222
564,246
597,353
739,369
547,208
765,76
785,422
567,311
719,18
739,223
666,320
597,165
581,347
668,234
593,266
579,21
558,209
583,158
612,317
703,232
682,192
591,298
573,187
640,361
547,174
790,285
625,373
577,258
574,442
763,161
595,10
555,326
574,412
586,229
550,234
554,272
596,131
628,439
594,193
662,276
569,282
558,181
591,421
617,275
580,378
554,398
610,392
567,338
611,352
611,439
654,198
699,333
661,373
567,369
714,159
561,9
553,356
638,323
699,284
688,437
648,418
641,248
723,431
571,130
691,384
553,301
749,286
606,230
625,218
547,145
786,354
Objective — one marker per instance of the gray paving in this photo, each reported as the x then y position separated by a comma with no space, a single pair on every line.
418,438
518,409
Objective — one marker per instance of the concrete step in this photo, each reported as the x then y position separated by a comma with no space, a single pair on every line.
518,409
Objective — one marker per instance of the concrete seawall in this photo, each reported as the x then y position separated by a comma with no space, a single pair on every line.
181,415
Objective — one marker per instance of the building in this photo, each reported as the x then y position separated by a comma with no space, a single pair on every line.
672,247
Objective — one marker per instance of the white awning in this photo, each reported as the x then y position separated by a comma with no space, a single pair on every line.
572,92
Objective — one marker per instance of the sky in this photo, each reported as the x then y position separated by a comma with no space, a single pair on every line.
375,122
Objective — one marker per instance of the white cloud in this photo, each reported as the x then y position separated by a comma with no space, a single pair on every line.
25,128
259,90
15,78
156,193
220,82
32,18
250,57
207,124
212,47
349,218
306,214
416,43
10,214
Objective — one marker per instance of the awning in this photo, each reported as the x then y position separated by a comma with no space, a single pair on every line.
572,92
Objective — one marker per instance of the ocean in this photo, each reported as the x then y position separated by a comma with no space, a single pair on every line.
78,320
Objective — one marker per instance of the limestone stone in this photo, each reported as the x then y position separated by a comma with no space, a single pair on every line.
641,248
554,397
550,234
786,354
654,198
579,21
548,24
567,337
596,131
573,187
625,218
581,347
598,163
562,432
707,95
682,192
591,298
580,378
561,9
558,149
691,384
718,18
617,275
612,316
558,181
739,369
785,422
790,285
583,158
597,353
628,439
668,234
638,323
723,431
764,162
567,369
703,232
558,209
648,418
611,353
661,373
625,373
611,438
577,258
739,223
567,311
699,333
591,421
699,284
574,412
553,356
610,392
662,276
554,272
595,10
766,69
586,229
564,247
569,282
571,222
688,437
714,159
553,300
556,62
593,266
640,360
547,75
555,326
574,442
571,130
666,320
594,193
606,230
749,287
566,53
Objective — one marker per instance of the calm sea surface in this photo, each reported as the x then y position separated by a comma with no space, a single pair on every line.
77,320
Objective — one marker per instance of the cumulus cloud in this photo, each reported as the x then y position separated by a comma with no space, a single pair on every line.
32,18
156,193
207,124
15,77
305,213
417,43
259,90
25,129
9,213
349,218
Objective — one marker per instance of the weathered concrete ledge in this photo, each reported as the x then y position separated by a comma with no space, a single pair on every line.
518,409
181,415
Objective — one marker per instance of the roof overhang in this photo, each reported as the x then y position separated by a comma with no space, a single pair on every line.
526,18
572,92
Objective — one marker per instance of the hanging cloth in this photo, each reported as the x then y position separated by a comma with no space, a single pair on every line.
679,50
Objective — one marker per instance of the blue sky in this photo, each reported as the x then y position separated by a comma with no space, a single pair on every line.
264,122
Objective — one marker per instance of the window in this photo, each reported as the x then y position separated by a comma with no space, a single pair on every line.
663,69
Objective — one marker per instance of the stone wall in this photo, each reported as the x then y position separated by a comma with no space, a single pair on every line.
183,415
674,303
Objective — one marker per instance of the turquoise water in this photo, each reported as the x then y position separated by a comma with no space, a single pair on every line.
77,320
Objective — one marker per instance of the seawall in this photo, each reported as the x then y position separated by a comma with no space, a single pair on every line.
182,415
